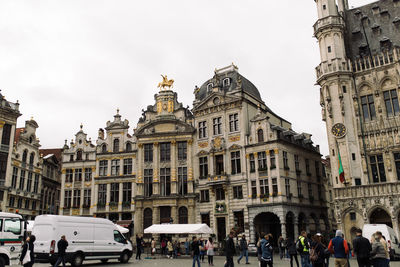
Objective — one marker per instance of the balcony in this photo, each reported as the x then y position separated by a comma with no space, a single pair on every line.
332,66
328,22
371,190
218,179
6,104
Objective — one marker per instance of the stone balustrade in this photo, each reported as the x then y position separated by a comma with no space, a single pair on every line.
371,190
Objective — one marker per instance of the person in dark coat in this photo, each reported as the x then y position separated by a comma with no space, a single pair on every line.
31,247
362,248
62,245
139,246
319,249
229,250
291,246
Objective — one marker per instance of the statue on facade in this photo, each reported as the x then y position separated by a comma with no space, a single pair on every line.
165,83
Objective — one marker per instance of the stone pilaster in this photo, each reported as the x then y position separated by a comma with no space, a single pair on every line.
278,176
173,168
190,166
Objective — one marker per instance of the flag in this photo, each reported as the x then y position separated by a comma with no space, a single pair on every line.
341,171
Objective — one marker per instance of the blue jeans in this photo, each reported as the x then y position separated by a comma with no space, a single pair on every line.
196,258
244,253
305,260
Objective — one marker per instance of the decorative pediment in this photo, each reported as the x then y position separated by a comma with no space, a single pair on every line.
169,126
216,99
218,144
235,147
202,153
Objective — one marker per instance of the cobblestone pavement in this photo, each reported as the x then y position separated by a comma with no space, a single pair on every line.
186,261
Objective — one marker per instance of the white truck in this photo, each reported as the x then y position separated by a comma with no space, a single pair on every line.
88,239
12,233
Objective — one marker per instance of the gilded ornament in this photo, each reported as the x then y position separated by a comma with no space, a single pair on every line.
165,83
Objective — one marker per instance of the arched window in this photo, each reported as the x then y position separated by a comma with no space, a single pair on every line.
210,86
226,82
25,156
79,155
128,147
116,145
104,148
260,135
31,158
30,139
147,218
183,215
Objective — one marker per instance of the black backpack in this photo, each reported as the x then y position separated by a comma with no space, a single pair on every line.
299,246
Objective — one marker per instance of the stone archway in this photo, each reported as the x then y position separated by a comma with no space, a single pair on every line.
290,225
313,224
268,223
302,222
380,216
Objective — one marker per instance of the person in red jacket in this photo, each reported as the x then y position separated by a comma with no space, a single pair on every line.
339,247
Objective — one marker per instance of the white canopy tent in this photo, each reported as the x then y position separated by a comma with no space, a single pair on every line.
178,229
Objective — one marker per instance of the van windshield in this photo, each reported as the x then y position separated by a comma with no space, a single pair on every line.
13,226
118,237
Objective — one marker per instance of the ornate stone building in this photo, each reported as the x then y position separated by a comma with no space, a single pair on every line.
253,173
359,81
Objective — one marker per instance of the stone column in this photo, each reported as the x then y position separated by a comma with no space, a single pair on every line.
120,196
174,214
191,212
252,229
278,177
156,215
211,169
138,188
395,224
269,172
283,230
138,220
62,204
189,166
173,168
257,174
108,199
296,227
95,197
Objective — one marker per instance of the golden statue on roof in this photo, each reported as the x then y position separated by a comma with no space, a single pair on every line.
165,83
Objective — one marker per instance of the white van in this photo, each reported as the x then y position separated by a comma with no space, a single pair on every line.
388,233
12,232
88,239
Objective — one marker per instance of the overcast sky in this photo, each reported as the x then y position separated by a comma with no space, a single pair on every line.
72,62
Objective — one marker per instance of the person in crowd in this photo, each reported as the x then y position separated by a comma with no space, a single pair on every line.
339,247
385,245
303,247
202,250
28,252
259,252
170,249
210,252
243,247
153,246
195,247
187,246
163,247
291,247
62,245
266,251
378,252
317,256
350,251
327,254
139,243
282,247
362,249
229,250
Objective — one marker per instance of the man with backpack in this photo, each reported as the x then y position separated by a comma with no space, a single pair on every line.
339,247
303,247
243,247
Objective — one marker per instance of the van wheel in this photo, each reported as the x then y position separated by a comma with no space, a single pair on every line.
124,257
2,262
77,260
104,260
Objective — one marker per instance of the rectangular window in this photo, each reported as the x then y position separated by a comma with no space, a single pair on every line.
357,181
204,196
165,151
353,156
148,182
203,164
202,129
391,102
319,188
344,89
237,192
114,193
252,163
272,159
274,187
19,203
27,204
234,122
78,175
127,192
329,49
22,180
102,194
5,139
235,162
285,160
68,175
253,189
296,162
165,181
14,177
308,167
219,164
103,167
3,166
182,150
368,107
182,181
33,205
262,161
115,165
11,202
264,188
127,166
87,193
239,221
67,198
377,168
317,170
29,182
88,174
396,162
77,198
219,193
353,216
310,191
36,183
205,218
148,152
217,126
299,189
287,187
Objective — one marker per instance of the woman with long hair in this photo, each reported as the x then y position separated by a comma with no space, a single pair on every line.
210,252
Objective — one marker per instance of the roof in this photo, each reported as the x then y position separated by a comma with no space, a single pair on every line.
51,151
372,27
178,229
12,215
18,133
